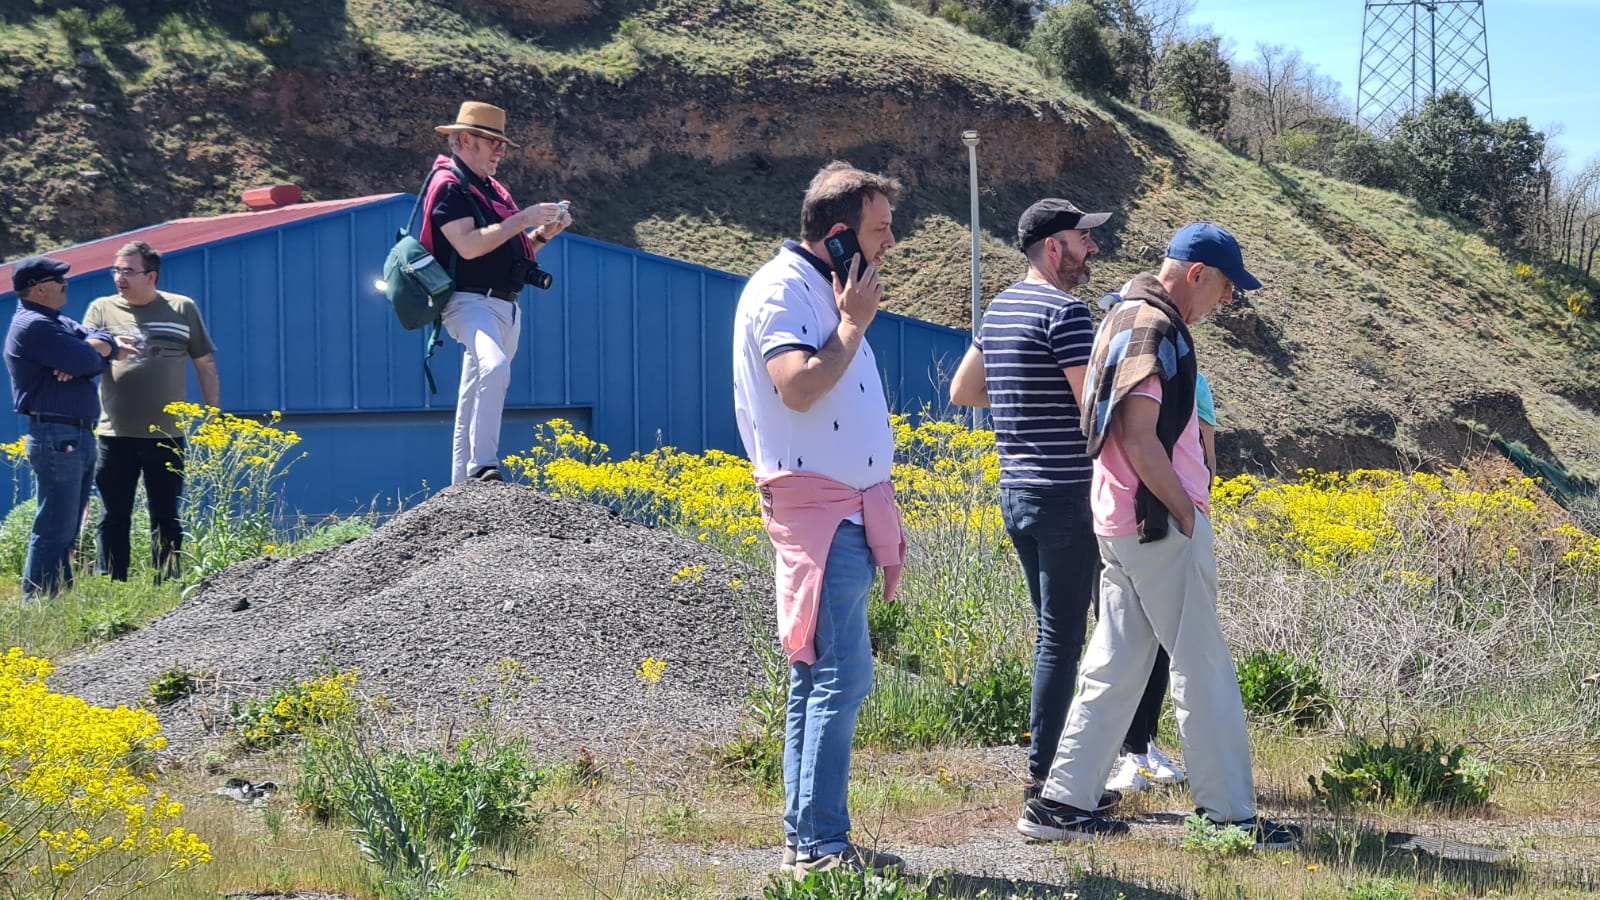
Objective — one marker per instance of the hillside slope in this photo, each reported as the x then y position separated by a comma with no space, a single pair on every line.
689,128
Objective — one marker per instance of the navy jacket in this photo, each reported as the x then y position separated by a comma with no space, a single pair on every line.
41,342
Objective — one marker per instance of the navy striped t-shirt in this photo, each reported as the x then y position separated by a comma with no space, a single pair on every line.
1031,332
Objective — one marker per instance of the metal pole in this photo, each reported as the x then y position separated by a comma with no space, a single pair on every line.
970,138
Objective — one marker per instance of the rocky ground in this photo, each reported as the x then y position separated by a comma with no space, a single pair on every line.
424,605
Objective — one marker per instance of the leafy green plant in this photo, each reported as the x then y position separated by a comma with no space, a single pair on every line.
1201,835
14,534
1377,889
429,784
268,28
1273,684
840,884
755,754
885,622
1413,773
111,27
993,707
112,618
173,685
331,533
421,846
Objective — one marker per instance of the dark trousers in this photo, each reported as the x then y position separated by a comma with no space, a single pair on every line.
1147,717
123,461
1054,537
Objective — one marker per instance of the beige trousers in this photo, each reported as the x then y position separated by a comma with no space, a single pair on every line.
1162,593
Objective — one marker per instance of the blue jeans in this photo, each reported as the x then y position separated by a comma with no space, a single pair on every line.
1054,536
824,700
62,458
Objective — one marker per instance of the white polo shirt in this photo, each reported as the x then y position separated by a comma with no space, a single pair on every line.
788,305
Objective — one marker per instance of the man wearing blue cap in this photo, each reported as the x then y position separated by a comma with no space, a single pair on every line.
53,362
1150,499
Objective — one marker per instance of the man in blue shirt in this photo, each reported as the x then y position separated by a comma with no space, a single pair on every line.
1028,363
53,362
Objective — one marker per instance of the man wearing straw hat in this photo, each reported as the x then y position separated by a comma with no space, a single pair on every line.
493,261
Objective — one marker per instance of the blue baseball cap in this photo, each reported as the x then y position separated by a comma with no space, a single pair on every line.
35,269
1203,242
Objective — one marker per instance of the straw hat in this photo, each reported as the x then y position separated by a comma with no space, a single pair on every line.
481,119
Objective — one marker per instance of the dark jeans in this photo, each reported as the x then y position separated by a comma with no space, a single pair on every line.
1054,537
62,459
123,461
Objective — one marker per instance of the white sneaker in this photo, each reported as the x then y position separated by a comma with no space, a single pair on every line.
1161,768
1129,774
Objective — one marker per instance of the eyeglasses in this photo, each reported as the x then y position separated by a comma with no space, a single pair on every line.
496,145
121,271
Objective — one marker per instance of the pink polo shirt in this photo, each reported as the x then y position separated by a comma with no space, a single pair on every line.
1111,494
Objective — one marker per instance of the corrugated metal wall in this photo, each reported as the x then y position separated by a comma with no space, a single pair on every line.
634,348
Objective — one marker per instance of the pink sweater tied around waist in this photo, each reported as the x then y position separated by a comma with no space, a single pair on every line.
802,511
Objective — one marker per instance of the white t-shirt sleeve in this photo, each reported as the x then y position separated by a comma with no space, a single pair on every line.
786,320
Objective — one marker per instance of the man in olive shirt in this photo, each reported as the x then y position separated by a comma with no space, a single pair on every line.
137,437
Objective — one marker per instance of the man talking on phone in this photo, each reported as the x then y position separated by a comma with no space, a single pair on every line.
815,423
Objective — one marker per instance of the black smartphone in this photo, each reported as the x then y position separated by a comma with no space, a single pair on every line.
841,247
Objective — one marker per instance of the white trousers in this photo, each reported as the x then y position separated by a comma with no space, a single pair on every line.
1159,594
488,329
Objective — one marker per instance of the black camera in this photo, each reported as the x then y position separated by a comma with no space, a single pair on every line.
527,271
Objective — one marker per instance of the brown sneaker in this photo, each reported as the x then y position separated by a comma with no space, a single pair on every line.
788,861
851,859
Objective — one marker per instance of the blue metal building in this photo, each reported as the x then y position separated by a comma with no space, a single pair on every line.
631,347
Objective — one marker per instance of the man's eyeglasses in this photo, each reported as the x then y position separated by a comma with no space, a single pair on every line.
120,271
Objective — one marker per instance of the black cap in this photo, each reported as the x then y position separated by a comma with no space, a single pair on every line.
35,269
1051,216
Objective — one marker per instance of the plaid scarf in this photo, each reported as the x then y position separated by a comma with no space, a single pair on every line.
1143,336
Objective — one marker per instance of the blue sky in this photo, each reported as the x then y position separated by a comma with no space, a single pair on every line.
1543,60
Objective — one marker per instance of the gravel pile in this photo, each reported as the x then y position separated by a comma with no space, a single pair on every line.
426,603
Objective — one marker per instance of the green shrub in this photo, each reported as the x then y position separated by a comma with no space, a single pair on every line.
74,25
112,27
992,709
839,884
1413,773
269,29
428,785
1274,685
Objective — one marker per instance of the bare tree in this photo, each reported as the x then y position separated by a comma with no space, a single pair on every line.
1279,92
1167,18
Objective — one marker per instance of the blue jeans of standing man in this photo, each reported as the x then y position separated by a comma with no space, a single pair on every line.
1054,536
824,700
62,457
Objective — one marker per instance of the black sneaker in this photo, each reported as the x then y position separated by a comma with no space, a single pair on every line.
486,473
1047,820
1269,835
850,859
1035,790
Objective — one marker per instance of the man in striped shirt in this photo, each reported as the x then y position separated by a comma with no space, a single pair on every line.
1028,364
